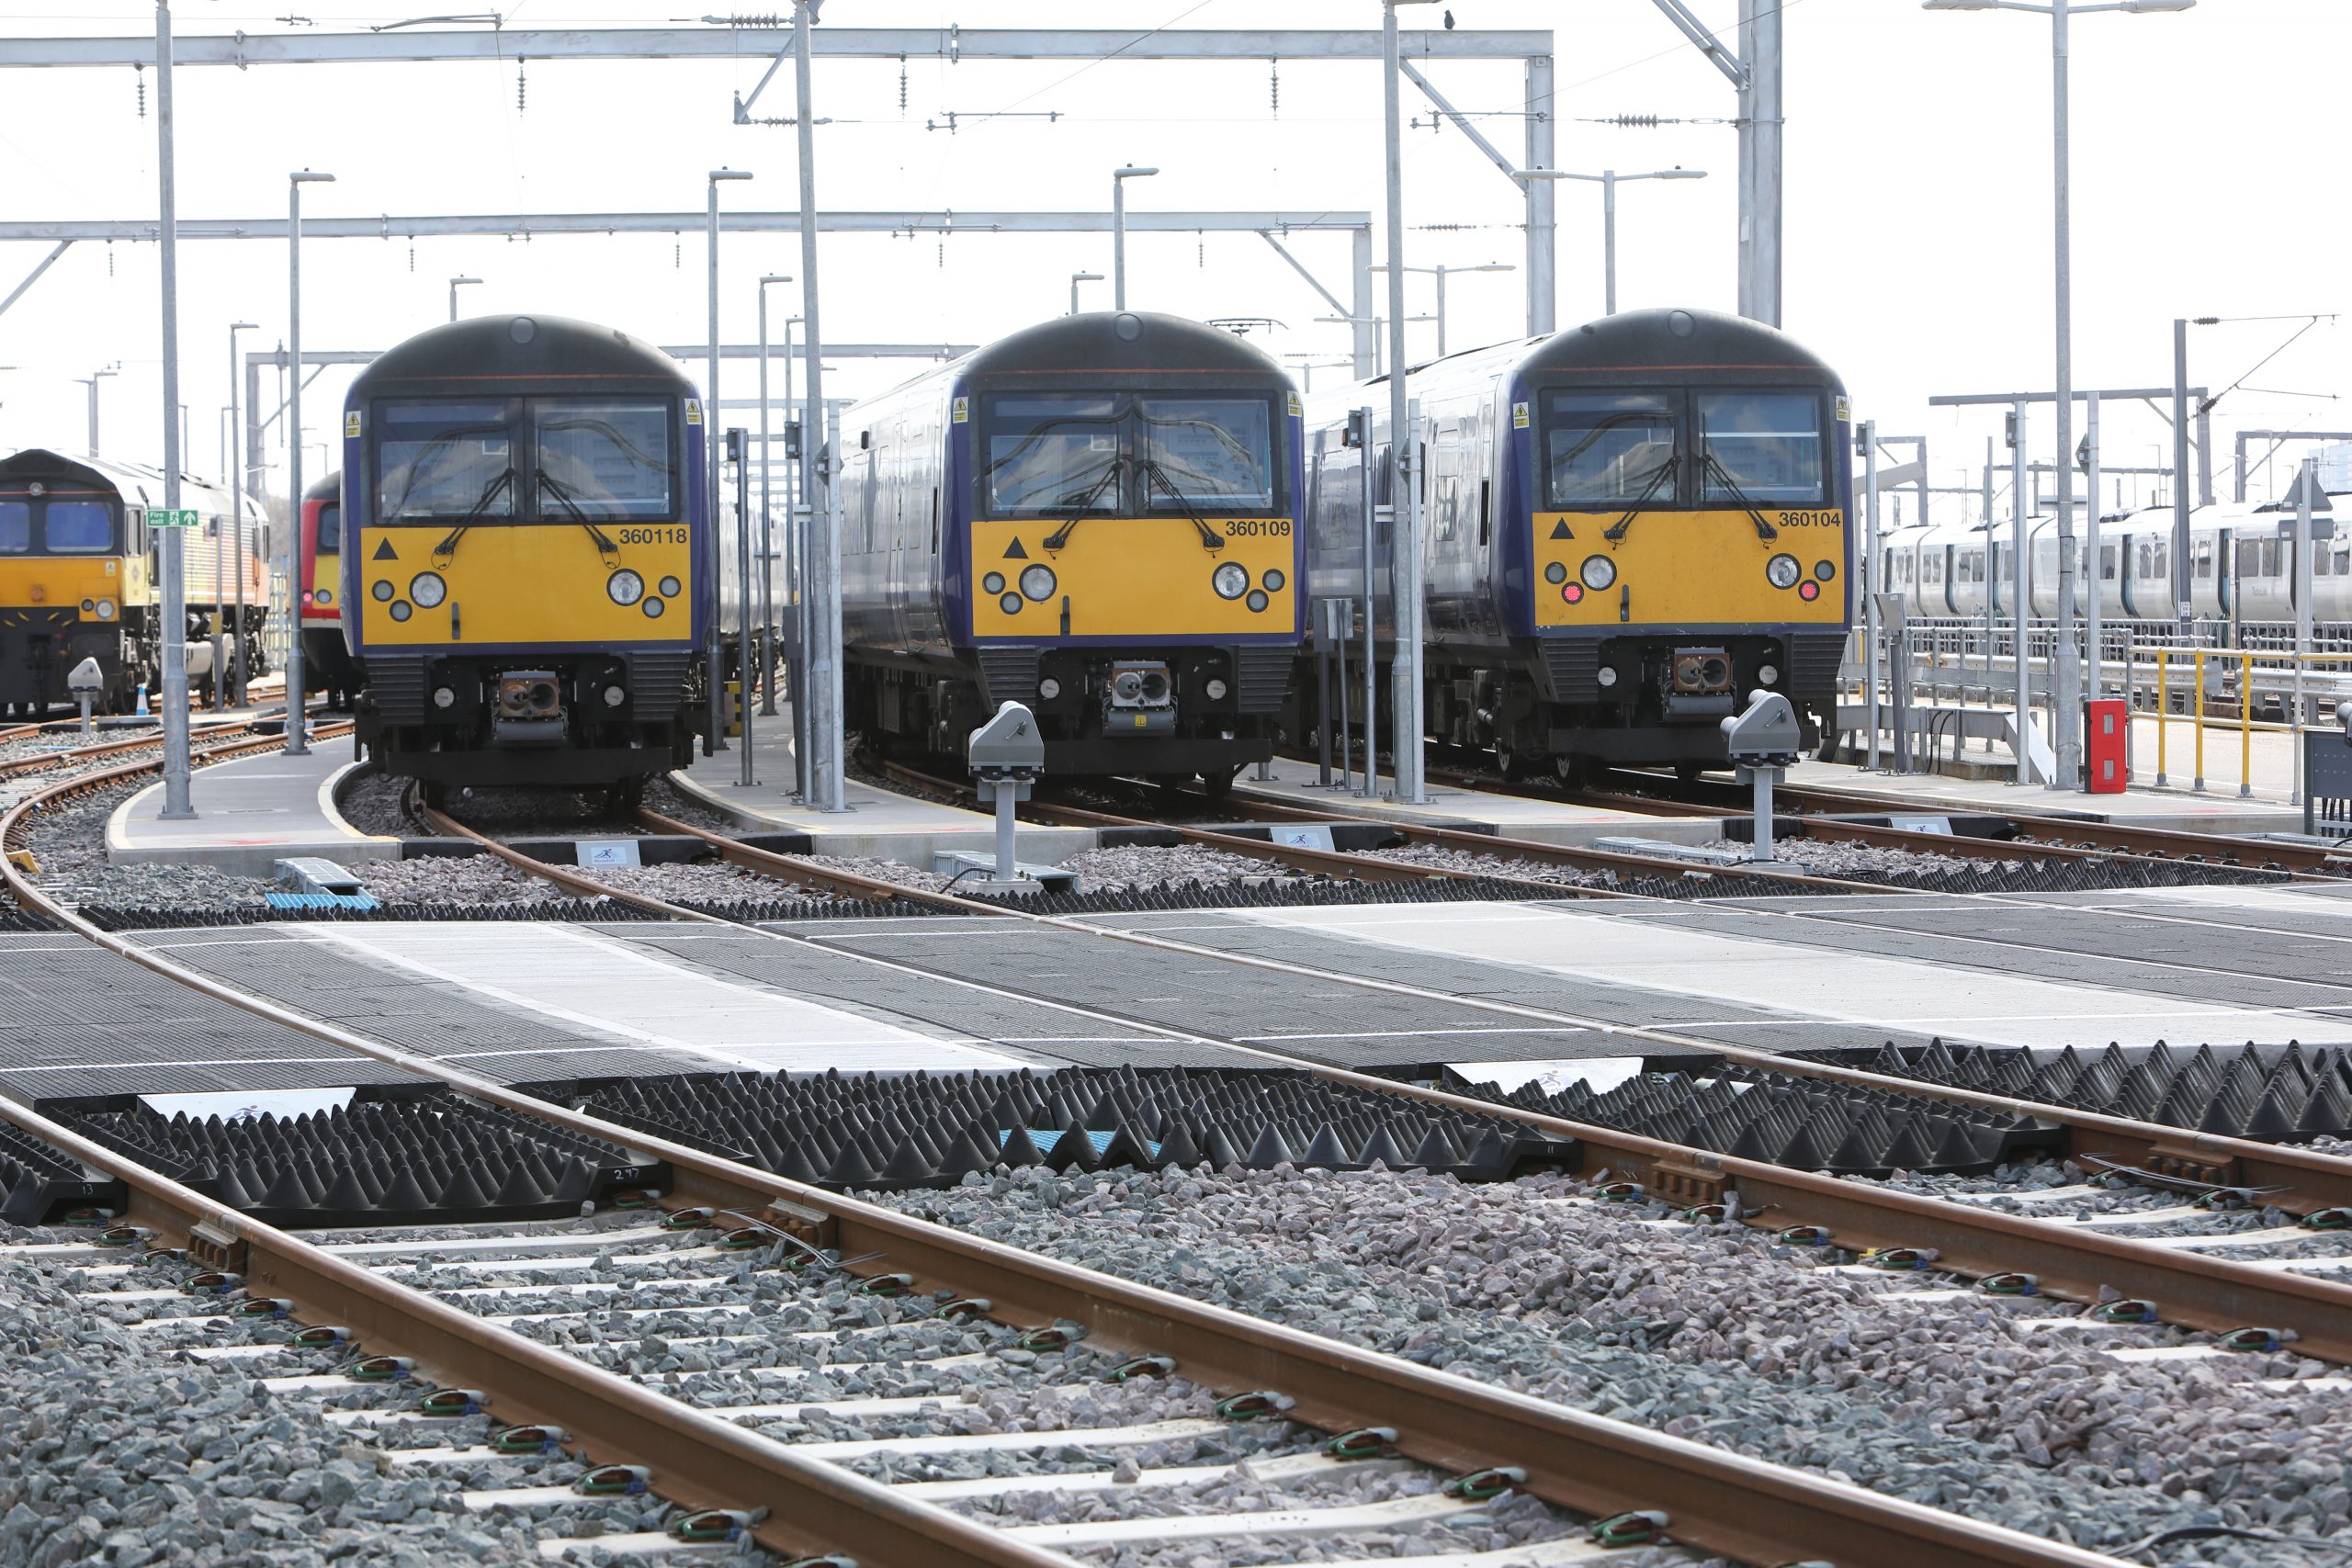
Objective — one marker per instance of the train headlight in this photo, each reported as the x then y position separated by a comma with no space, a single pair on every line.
384,590
1038,582
1768,673
1607,675
1782,571
1258,600
992,583
427,588
624,587
653,608
1049,688
105,609
443,698
326,595
1274,579
1555,572
1215,689
1597,572
1231,581
1011,603
403,611
615,696
671,588
1825,569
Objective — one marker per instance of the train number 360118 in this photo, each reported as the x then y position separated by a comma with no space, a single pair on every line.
1257,528
654,536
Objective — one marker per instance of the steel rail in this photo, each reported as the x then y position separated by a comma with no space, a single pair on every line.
2216,1295
1718,1501
701,1459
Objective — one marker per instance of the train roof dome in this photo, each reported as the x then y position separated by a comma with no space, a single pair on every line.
1674,339
1121,339
509,347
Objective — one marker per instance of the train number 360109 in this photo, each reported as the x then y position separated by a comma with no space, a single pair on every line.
654,536
1257,528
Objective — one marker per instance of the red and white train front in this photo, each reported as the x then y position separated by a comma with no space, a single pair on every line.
329,669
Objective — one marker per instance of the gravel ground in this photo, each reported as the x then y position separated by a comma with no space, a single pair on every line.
1135,866
890,870
1863,860
123,1453
1493,865
454,879
1721,1334
711,882
371,802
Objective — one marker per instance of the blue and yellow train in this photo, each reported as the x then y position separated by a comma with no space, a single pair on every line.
1626,528
1096,518
528,569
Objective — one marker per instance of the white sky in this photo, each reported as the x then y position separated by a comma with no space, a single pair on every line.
2206,148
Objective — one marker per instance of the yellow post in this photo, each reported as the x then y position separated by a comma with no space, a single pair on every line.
2245,724
2197,718
2163,702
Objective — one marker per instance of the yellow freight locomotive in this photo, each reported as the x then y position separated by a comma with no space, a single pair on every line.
79,578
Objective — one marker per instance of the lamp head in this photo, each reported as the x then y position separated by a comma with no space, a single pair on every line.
1132,172
1959,6
1679,173
1086,277
774,278
456,280
310,176
717,175
242,327
2141,8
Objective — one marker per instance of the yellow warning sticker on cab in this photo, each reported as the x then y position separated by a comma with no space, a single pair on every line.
351,423
962,412
694,411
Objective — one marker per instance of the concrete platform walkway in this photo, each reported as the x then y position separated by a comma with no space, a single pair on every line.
1508,816
249,813
878,823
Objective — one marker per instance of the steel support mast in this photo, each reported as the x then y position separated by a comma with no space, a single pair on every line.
171,545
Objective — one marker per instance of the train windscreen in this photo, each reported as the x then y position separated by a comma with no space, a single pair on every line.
1610,448
442,459
15,527
605,459
330,528
1760,448
1059,455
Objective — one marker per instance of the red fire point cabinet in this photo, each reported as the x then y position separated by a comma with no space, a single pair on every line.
2106,722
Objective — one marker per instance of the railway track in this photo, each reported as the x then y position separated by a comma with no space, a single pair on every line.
1614,864
2214,1295
2038,837
728,1479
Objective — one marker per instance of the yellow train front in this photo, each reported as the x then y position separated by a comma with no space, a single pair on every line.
79,578
1095,518
1627,527
526,572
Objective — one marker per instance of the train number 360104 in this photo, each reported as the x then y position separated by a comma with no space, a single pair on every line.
1811,519
1257,528
654,536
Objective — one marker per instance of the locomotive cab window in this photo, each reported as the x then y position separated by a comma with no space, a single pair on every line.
1048,455
1212,453
1759,449
15,527
1603,449
330,529
78,528
445,459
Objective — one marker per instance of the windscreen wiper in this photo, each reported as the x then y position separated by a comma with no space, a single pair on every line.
610,551
1715,465
1085,497
1615,531
448,545
1152,470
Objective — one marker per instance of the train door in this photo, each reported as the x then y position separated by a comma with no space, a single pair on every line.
2225,583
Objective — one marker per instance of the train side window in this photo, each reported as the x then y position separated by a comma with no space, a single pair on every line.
1486,511
2106,563
15,527
2342,561
2320,562
2269,557
2163,556
2204,558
